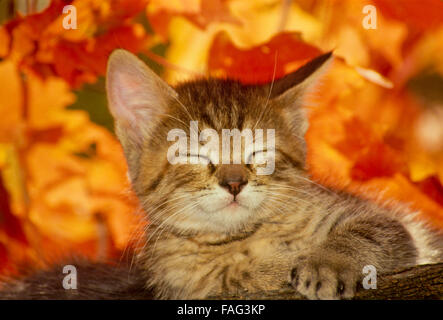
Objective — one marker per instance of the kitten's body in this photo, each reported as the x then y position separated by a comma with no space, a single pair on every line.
204,239
336,232
306,227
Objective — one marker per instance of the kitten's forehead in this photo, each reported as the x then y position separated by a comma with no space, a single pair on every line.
223,104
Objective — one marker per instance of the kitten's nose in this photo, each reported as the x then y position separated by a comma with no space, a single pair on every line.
233,178
234,187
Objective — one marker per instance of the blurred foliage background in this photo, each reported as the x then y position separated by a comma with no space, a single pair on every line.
376,121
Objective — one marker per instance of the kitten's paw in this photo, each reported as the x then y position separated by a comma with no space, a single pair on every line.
320,277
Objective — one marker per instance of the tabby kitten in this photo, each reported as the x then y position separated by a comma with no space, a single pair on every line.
222,228
219,229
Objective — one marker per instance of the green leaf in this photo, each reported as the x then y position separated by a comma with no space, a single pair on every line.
92,99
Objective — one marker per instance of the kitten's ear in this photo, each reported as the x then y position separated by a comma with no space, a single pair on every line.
291,91
136,95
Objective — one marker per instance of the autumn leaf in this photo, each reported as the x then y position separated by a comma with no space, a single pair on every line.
11,107
39,42
373,124
284,53
419,14
9,223
65,187
4,41
199,12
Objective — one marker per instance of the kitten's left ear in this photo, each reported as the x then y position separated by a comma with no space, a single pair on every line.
136,96
291,91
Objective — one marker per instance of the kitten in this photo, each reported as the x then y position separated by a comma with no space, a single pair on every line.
217,229
223,228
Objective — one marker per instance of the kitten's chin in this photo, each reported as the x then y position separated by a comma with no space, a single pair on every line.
226,219
234,209
220,213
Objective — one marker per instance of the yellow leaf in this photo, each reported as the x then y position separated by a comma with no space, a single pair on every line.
11,106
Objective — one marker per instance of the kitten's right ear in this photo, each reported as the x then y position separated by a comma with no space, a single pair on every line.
303,79
135,96
291,91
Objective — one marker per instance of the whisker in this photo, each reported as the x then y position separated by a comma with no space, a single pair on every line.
280,200
158,216
175,118
161,230
317,184
277,203
313,192
172,208
183,106
269,94
292,196
164,211
152,210
194,205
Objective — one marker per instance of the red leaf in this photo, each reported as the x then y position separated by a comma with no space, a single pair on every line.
378,160
8,222
432,188
86,62
421,14
211,11
3,257
283,54
50,135
372,157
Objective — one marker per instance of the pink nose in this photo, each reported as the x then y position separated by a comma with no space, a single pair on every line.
232,177
234,187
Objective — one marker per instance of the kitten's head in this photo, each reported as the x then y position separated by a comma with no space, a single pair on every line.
211,195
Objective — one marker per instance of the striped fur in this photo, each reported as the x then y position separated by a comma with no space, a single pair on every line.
288,228
285,228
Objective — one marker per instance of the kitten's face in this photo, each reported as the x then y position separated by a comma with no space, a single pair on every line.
217,197
207,197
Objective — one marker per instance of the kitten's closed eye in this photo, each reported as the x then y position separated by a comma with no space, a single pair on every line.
256,157
191,158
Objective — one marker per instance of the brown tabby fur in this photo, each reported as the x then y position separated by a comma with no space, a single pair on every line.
289,230
324,237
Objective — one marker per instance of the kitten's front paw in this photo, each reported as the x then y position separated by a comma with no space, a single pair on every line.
317,276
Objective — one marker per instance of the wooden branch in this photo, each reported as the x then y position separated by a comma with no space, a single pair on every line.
103,281
420,282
